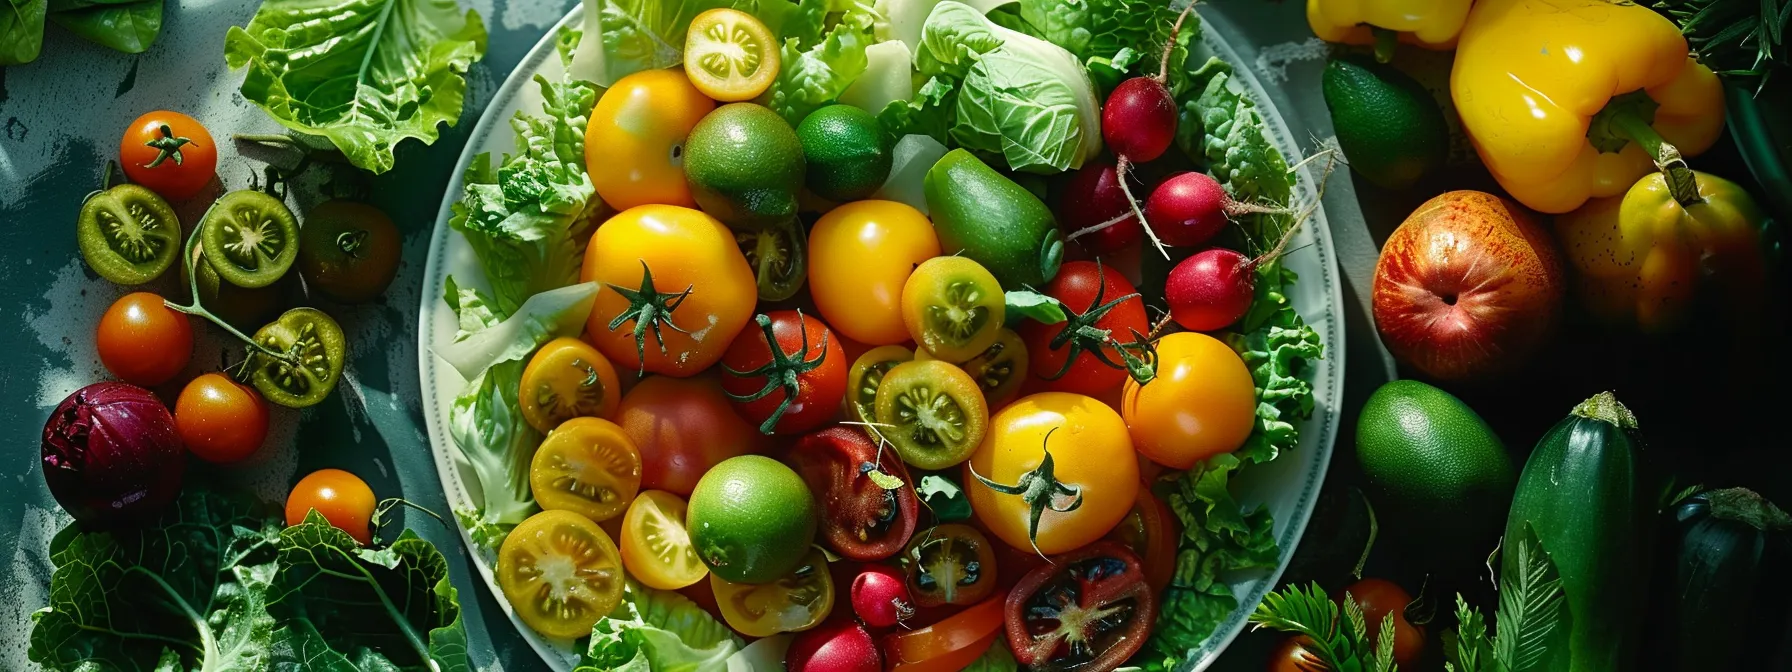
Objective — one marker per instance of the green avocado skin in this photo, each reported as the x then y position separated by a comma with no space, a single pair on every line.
989,218
1434,468
1387,123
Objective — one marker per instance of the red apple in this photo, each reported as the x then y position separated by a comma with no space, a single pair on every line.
1467,287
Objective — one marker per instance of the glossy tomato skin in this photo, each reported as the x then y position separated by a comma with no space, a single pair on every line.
860,257
1090,451
1152,532
343,499
174,179
221,421
1077,284
1379,598
1293,656
684,249
860,520
1064,595
1202,403
142,341
839,645
820,390
949,645
682,427
634,143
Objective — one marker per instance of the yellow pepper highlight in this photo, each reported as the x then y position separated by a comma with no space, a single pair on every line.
1432,24
1531,76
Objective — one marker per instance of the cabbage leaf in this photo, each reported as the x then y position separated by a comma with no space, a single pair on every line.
811,76
658,631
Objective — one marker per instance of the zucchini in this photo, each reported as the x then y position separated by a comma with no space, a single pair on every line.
1723,586
1582,492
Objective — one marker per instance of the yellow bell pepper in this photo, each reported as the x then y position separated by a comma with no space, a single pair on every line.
1549,91
1432,24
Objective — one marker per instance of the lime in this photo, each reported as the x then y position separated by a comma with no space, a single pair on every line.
848,154
751,519
745,166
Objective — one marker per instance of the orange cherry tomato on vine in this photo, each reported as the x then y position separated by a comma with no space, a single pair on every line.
170,153
1379,598
634,143
221,421
682,427
143,341
1091,466
341,497
1201,404
1093,295
860,257
794,389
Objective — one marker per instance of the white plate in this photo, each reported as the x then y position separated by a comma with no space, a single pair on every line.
1288,486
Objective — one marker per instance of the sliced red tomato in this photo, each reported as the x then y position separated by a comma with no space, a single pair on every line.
861,520
946,646
950,564
1089,610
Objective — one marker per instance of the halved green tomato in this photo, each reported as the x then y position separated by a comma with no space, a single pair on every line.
566,379
729,55
950,564
863,378
587,466
796,602
561,573
999,370
935,413
242,307
128,234
656,547
953,308
250,237
314,350
778,255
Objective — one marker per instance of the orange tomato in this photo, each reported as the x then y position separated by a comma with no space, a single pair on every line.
1201,404
177,163
1091,455
220,420
860,257
949,645
343,499
634,143
143,341
566,379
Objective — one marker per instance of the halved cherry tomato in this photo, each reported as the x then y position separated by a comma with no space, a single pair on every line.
860,519
656,547
729,55
791,604
790,389
932,412
682,426
1152,532
143,341
1092,471
251,239
953,308
341,497
999,370
1201,404
1379,598
567,378
587,466
1092,294
128,234
950,564
866,374
634,143
949,645
314,342
220,420
561,573
860,257
1089,610
169,152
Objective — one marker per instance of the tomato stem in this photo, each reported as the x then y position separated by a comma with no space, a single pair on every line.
167,147
198,309
1040,489
1081,334
385,507
649,309
782,372
1385,41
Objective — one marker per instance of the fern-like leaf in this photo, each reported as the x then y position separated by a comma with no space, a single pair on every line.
1307,612
1530,610
1384,645
1353,617
1467,646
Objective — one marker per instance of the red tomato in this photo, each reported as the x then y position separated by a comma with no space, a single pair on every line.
143,341
1096,597
795,389
682,426
1293,656
1079,285
861,520
170,153
343,499
1380,597
220,420
1152,532
946,646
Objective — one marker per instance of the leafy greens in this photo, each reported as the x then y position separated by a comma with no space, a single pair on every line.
658,631
366,74
128,26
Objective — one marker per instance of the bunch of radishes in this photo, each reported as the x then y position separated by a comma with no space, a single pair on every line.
880,600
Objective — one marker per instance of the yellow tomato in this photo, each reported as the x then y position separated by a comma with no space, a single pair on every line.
796,602
685,250
1201,404
567,378
586,466
634,143
860,256
656,547
1092,459
561,573
729,55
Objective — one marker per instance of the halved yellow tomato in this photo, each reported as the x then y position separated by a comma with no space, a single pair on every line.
587,466
656,547
561,573
566,379
1201,404
634,143
729,55
796,602
953,308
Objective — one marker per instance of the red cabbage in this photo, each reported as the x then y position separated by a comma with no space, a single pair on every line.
111,454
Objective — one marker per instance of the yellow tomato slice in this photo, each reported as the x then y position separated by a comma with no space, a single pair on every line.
566,379
656,547
729,55
561,573
796,602
587,466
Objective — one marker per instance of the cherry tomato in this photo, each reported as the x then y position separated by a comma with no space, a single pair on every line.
634,143
794,603
676,268
348,251
1293,656
341,497
797,389
220,420
567,378
953,308
863,378
860,257
950,564
143,341
1089,610
1201,404
682,426
1379,598
932,412
949,645
1152,533
1094,296
1091,464
128,234
999,370
729,55
587,466
169,152
860,520
561,573
656,547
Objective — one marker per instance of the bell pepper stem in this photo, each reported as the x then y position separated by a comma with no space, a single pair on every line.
1384,43
1682,183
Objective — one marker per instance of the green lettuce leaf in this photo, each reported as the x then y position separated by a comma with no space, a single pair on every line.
929,112
1114,39
1279,349
21,30
186,592
364,73
997,658
347,608
810,77
658,631
130,27
636,35
1220,127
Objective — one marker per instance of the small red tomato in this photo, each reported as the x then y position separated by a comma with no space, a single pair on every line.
341,497
143,341
839,645
170,153
1379,598
220,420
880,597
1293,656
1094,296
796,388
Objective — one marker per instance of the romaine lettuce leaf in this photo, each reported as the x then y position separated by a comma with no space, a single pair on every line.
364,73
658,631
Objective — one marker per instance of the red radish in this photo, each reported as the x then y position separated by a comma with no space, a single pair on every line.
880,597
1138,123
1211,290
1095,213
1191,208
838,645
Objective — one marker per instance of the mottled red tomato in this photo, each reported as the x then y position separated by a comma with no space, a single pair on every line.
1090,609
861,520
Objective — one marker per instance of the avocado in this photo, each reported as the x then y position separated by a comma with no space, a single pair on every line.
989,218
1434,469
1388,125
